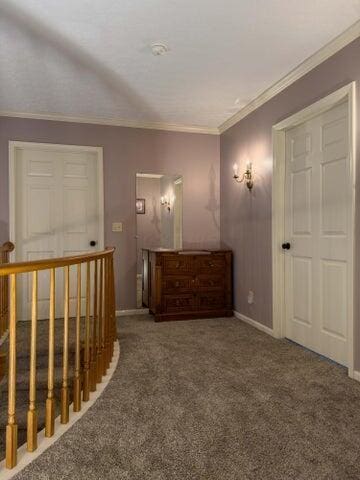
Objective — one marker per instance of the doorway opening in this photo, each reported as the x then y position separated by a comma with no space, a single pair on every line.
159,200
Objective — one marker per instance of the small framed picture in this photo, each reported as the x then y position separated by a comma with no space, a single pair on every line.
140,205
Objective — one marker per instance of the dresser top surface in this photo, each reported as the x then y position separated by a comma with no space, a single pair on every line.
187,251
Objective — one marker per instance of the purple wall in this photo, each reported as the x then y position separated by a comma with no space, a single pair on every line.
126,152
246,219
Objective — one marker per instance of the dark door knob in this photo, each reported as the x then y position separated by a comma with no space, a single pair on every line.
286,246
92,243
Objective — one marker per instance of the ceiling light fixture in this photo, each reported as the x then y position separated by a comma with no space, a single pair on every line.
159,49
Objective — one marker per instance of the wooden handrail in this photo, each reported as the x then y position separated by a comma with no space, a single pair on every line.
49,263
94,341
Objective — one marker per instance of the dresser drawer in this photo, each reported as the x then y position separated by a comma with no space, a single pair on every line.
177,283
210,301
210,264
175,264
179,303
207,282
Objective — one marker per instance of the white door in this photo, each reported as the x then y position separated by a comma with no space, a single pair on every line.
318,227
57,213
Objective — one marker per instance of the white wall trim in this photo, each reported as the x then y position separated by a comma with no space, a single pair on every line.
254,323
13,145
355,375
135,311
149,175
305,67
57,117
4,337
278,207
25,457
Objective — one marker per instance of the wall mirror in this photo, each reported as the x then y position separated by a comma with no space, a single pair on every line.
158,206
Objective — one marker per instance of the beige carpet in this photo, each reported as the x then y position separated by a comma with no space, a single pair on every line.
212,400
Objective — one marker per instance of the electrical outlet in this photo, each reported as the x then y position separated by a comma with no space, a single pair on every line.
250,297
117,227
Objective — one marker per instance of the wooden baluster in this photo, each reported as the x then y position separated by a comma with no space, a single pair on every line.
86,391
7,312
94,331
11,428
65,382
113,303
32,415
2,298
104,367
50,401
109,311
2,303
106,314
100,342
112,309
77,373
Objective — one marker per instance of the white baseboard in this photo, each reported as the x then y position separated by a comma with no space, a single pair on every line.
355,375
135,311
254,323
4,337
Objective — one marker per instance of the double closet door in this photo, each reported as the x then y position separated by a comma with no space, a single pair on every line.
56,214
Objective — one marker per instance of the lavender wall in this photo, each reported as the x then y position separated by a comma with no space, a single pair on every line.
126,152
246,218
167,217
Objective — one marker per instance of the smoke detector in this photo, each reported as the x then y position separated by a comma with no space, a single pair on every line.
159,49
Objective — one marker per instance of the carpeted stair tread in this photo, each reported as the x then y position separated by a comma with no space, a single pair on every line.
23,380
23,371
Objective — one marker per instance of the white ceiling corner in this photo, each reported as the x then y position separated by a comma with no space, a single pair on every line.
91,61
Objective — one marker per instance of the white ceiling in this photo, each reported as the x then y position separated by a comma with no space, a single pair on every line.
91,58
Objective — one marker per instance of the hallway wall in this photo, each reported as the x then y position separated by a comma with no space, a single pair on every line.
246,218
126,152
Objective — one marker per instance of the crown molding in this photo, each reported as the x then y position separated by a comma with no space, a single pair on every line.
114,123
302,69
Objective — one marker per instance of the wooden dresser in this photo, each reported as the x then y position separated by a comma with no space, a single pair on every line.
180,285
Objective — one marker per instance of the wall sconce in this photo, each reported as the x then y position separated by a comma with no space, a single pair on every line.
247,177
165,201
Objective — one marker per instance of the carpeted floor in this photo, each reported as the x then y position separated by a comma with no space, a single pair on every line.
212,400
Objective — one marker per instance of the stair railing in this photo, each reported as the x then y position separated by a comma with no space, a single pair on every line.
94,339
5,251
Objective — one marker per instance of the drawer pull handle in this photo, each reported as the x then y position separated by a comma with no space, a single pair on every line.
177,265
211,264
177,284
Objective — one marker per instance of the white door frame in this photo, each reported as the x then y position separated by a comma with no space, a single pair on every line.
13,145
278,207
